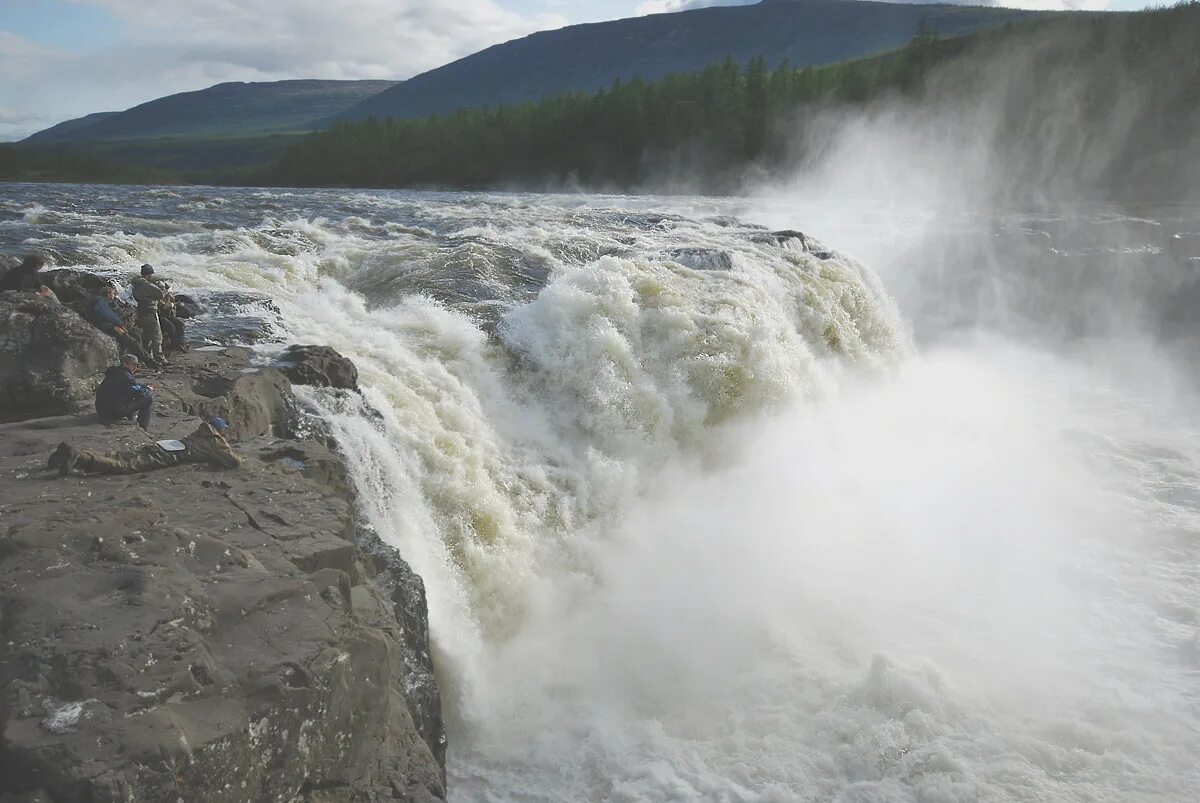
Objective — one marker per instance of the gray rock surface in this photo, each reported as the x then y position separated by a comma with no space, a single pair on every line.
50,359
194,634
320,366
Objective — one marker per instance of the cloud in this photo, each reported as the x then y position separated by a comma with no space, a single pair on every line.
668,6
173,46
19,58
353,38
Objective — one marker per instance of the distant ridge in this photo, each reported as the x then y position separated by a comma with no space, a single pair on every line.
224,111
65,129
589,57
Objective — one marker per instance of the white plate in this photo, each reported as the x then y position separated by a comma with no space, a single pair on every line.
209,348
172,446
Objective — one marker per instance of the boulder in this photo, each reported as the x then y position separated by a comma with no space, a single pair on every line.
320,366
50,358
74,287
258,402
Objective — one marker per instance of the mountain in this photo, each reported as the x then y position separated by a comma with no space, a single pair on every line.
64,130
222,111
588,57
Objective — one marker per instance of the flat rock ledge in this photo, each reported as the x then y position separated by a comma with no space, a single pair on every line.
193,634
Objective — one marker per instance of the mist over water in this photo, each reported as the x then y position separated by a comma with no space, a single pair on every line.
708,514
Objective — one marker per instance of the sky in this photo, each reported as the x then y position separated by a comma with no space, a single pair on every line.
61,59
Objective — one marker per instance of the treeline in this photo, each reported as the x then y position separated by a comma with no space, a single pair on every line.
29,163
704,130
721,118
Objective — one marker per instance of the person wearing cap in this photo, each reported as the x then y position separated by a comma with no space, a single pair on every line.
206,445
106,318
122,396
149,295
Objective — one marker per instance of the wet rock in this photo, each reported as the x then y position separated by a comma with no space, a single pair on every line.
406,591
794,239
703,258
50,359
75,287
320,366
187,306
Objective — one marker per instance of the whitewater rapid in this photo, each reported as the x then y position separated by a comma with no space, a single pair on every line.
696,518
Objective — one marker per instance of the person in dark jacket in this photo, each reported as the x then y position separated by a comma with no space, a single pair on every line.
206,445
24,277
122,396
108,320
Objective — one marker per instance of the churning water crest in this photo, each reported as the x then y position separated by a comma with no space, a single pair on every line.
699,515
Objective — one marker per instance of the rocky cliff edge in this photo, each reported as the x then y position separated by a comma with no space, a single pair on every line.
196,634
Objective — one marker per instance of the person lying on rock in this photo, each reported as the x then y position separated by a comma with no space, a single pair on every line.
122,396
108,320
206,445
24,277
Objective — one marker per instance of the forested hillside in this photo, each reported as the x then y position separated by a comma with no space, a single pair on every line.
223,111
585,58
1132,82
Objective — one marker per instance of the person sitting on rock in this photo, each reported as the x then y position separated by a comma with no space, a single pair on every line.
108,320
24,277
150,295
121,395
206,445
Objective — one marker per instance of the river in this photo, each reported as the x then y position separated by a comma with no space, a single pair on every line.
907,512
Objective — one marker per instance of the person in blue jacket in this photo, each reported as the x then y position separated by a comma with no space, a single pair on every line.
108,320
122,396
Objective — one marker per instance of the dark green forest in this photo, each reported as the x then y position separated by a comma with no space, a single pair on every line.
21,163
716,120
705,130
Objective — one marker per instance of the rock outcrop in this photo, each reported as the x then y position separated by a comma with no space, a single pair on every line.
320,366
50,358
194,634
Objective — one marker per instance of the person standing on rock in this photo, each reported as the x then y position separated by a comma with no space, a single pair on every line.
206,445
169,318
107,320
24,277
150,295
122,396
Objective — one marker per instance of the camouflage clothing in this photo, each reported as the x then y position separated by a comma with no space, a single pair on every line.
150,295
205,445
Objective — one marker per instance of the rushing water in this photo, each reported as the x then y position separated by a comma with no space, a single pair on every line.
705,514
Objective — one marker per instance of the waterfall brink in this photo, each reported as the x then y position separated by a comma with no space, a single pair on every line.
696,519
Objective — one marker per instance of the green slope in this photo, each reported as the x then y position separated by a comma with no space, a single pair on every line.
588,57
225,110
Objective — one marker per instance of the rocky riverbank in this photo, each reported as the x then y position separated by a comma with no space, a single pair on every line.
196,634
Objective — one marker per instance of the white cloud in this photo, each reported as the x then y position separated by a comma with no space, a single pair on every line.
667,6
179,45
664,6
